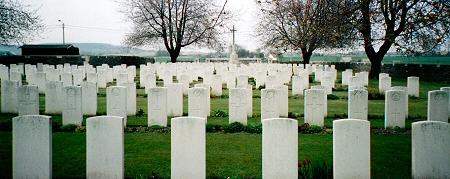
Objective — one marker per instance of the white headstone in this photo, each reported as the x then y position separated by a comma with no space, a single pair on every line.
89,98
271,80
280,148
197,102
238,105
151,82
208,97
394,109
40,82
131,98
269,104
16,76
413,86
405,89
297,85
184,80
430,149
115,102
314,107
105,147
9,101
231,80
77,76
66,78
447,89
384,83
325,99
438,105
188,137
283,103
121,79
351,148
28,99
354,81
216,85
53,98
72,106
242,80
358,104
157,106
32,146
249,95
175,99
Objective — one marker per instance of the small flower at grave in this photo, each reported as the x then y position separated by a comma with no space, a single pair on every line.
304,162
299,164
309,160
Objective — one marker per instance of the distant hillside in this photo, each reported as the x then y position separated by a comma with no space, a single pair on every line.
93,49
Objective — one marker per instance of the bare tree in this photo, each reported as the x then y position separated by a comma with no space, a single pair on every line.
412,26
18,23
176,23
305,25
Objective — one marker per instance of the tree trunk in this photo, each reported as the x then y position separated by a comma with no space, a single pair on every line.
306,57
375,68
174,54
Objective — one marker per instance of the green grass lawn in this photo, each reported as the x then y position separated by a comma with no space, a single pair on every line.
236,155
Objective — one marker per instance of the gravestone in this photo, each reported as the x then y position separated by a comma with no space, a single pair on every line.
438,104
53,98
249,95
280,148
351,148
115,102
16,76
157,106
283,103
151,82
325,99
271,80
131,71
238,104
405,89
298,85
197,102
28,100
413,86
345,74
66,78
384,83
175,99
269,104
354,81
430,149
52,75
9,101
92,77
105,147
242,80
328,83
314,107
101,78
216,86
184,80
231,80
394,109
447,89
31,75
32,146
89,98
121,79
358,104
40,82
188,137
131,98
208,96
77,76
72,106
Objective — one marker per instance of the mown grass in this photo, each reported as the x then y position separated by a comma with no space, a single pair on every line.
232,155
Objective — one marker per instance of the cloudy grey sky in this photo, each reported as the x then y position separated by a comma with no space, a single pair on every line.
99,21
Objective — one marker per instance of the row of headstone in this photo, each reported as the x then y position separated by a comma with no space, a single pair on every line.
32,148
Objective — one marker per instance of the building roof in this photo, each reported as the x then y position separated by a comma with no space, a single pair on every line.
47,46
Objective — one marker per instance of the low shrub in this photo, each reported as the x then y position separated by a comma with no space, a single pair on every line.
329,131
68,128
80,129
209,128
308,171
340,89
224,96
332,97
261,87
55,126
234,127
375,94
140,113
254,128
220,113
6,125
315,129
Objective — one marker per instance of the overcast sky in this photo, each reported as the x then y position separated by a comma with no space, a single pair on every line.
99,21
